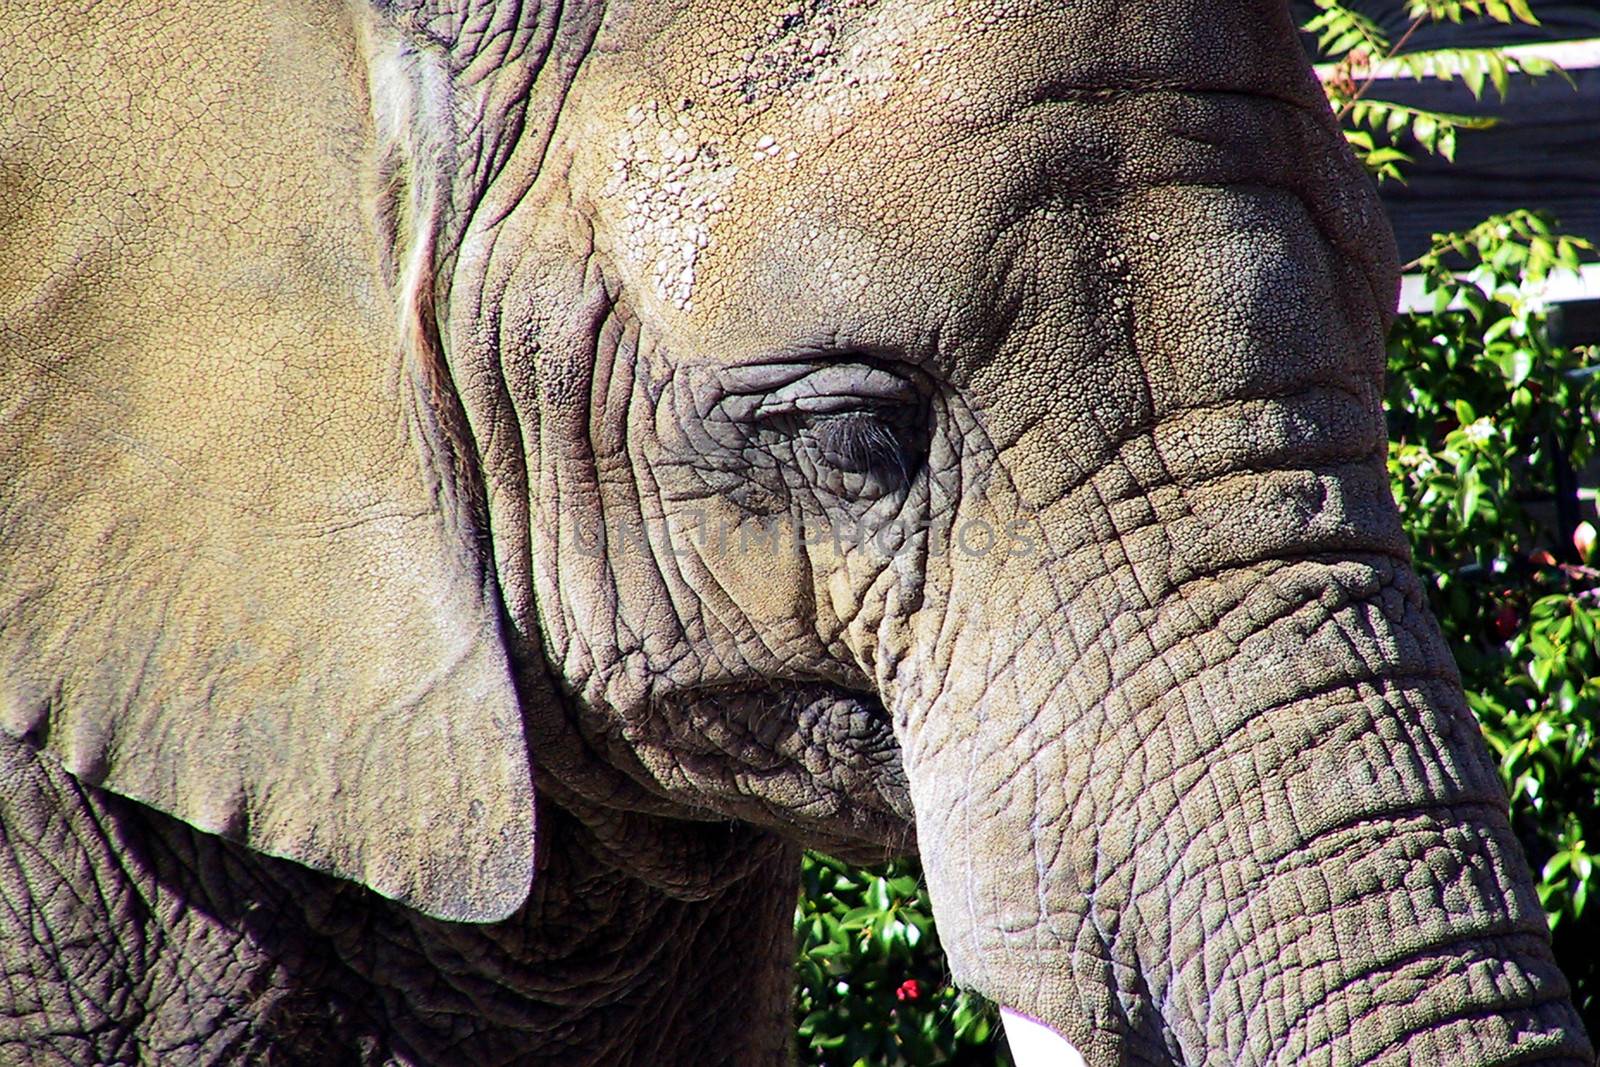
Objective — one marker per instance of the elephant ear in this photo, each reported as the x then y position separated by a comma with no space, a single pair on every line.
243,570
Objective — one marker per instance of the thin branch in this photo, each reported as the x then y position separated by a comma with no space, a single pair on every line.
1372,74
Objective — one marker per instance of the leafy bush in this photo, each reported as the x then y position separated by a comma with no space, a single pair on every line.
1487,421
873,987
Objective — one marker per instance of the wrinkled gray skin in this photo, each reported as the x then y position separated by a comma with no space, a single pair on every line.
378,384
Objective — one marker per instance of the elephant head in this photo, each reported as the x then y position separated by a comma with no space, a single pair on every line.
900,425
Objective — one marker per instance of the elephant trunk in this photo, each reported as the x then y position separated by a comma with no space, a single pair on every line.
1236,813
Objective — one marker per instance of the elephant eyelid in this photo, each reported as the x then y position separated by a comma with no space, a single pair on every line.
850,418
839,389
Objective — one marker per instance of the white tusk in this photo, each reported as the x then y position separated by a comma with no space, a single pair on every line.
1033,1044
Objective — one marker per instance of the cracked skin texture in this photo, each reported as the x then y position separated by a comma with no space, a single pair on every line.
396,665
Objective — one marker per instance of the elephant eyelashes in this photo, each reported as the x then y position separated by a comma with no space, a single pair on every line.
853,429
863,453
859,443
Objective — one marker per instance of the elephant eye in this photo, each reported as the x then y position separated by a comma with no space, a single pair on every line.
839,429
856,428
860,442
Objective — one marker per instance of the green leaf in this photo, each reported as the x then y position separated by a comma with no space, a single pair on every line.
1522,11
1520,366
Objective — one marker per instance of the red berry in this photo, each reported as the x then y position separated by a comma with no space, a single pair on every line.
910,989
1505,621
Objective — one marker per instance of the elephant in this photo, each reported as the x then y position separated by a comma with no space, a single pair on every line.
486,483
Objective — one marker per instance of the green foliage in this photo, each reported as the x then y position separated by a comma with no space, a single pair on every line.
1482,409
872,984
1473,424
1359,52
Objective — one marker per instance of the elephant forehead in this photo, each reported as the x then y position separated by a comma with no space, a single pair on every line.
813,172
756,52
1176,299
